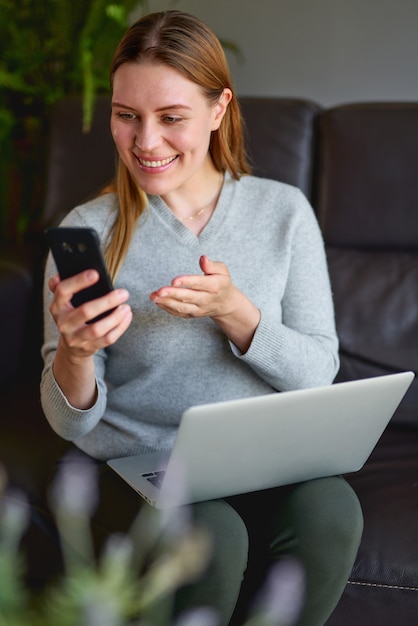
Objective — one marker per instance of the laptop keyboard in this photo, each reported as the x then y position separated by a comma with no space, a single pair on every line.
155,478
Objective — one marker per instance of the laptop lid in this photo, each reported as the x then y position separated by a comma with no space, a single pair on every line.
238,446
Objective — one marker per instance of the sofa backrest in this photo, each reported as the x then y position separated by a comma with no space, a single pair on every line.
367,205
79,163
281,139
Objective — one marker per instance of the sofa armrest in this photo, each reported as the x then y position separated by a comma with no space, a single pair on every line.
16,289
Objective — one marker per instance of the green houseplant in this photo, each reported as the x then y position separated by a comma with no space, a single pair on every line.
47,49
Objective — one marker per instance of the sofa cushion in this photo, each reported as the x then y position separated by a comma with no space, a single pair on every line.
383,586
376,304
367,195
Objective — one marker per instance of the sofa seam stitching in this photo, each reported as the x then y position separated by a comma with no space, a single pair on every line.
379,585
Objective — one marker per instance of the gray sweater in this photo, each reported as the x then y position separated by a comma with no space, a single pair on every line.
267,235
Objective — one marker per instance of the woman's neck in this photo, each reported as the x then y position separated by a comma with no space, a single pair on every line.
195,206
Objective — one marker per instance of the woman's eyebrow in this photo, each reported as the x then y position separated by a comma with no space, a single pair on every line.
173,107
170,107
115,103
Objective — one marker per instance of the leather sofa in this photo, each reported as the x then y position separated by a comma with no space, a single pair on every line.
357,165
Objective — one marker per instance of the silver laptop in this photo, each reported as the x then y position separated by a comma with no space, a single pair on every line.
238,446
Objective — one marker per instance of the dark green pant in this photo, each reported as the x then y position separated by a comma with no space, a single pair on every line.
318,523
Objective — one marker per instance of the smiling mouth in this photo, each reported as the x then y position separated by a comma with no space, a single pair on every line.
158,163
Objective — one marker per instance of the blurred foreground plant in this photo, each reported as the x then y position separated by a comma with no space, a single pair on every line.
134,579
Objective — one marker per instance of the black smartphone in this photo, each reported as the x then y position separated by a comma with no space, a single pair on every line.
75,250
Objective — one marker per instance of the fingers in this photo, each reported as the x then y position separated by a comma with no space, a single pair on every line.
212,267
197,281
53,282
84,340
64,291
176,301
196,295
66,316
81,338
104,332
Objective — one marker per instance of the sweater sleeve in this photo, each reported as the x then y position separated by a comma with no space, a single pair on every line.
299,347
67,421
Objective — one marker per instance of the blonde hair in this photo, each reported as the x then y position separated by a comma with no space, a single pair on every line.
183,42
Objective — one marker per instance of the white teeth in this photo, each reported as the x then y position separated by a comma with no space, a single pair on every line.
156,163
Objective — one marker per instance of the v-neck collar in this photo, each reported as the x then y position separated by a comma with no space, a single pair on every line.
159,208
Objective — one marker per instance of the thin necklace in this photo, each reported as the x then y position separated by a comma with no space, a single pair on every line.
197,214
205,208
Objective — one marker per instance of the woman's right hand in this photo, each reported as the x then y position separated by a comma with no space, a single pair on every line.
81,338
79,341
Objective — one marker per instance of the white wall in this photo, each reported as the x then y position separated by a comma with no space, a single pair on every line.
331,51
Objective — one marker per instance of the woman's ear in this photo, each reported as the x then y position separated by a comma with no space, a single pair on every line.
221,107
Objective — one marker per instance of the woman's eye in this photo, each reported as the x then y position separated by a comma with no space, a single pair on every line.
126,116
171,119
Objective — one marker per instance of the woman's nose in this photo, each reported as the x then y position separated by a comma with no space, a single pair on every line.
147,137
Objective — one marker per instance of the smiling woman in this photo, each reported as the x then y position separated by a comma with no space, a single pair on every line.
173,65
251,322
162,126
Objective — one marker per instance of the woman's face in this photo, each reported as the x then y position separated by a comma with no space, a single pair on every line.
161,124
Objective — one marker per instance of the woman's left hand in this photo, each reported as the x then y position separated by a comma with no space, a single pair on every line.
211,294
201,295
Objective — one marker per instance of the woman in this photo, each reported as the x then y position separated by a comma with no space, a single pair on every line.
222,292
